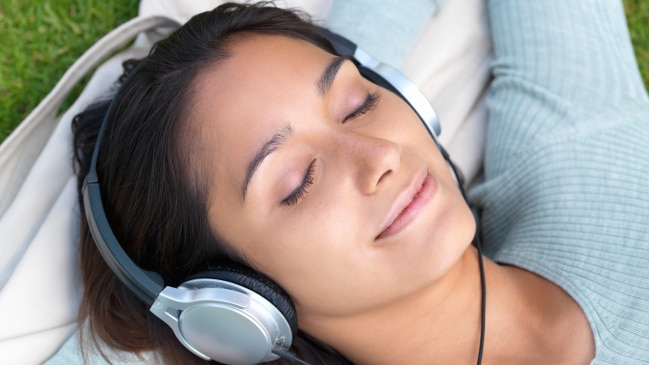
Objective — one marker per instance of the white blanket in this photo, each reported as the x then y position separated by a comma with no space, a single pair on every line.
39,283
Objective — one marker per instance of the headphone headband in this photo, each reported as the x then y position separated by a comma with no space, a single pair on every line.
145,284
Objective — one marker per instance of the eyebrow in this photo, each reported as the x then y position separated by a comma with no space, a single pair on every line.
266,149
275,142
329,74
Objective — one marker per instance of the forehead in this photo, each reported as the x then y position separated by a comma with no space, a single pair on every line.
252,56
266,82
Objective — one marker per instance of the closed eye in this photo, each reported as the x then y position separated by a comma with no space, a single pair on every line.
294,197
368,104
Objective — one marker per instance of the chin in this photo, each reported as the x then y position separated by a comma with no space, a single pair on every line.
452,236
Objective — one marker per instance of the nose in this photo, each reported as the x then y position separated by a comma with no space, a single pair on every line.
372,160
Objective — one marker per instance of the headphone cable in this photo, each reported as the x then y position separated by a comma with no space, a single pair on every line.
483,293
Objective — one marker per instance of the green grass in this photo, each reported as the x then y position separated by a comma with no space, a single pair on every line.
40,40
637,12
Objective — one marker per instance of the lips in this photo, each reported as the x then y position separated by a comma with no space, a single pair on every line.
408,205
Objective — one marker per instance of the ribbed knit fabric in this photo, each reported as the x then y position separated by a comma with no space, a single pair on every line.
566,189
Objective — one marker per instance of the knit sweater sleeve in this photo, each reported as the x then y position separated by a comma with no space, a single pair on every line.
558,64
566,188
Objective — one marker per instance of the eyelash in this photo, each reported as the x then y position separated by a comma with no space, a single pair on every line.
370,103
297,194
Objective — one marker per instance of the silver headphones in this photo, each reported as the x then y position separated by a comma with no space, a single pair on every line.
230,314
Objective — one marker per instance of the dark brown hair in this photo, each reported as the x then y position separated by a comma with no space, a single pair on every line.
154,192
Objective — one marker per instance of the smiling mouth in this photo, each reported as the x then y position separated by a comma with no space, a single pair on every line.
409,207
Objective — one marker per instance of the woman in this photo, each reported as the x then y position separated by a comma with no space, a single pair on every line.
333,188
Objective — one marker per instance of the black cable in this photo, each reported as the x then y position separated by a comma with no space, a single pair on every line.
483,292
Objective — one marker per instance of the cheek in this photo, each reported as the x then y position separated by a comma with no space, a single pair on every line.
320,256
401,123
313,262
306,240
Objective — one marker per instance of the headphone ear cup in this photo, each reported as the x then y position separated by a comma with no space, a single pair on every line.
257,282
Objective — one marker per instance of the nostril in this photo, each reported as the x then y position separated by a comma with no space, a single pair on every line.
383,176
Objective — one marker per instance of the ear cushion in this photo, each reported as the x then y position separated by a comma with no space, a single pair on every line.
257,282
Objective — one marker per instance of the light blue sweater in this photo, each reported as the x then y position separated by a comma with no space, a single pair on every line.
566,190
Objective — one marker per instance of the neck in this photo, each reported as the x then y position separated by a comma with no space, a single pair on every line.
533,321
407,330
526,322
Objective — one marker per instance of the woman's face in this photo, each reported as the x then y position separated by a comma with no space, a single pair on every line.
325,182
